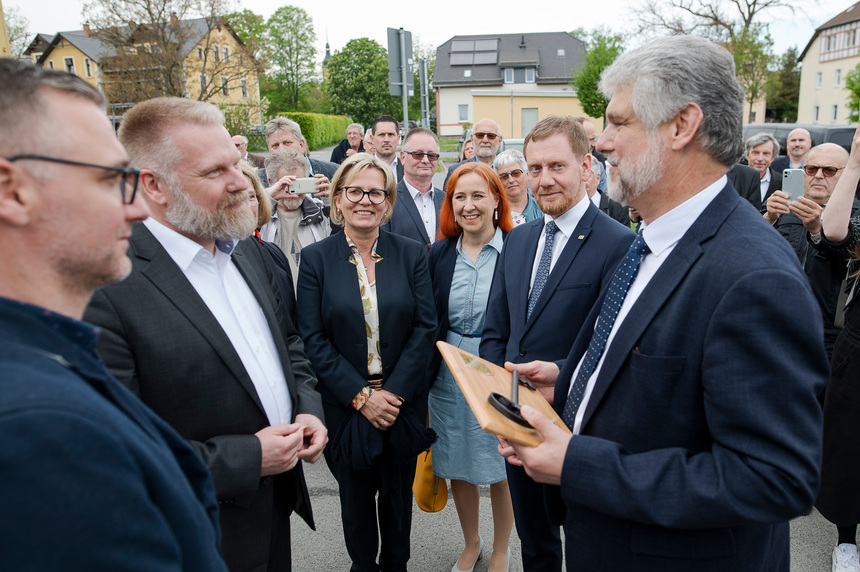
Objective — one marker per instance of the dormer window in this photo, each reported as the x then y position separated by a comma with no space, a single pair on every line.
509,75
530,75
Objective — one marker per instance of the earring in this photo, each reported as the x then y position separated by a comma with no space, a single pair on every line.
495,214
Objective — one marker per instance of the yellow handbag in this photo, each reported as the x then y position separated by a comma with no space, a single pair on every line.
431,492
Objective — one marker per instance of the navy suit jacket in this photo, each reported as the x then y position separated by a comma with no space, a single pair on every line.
702,436
774,185
331,321
406,220
585,266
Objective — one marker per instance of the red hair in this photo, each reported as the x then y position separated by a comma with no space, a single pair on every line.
448,227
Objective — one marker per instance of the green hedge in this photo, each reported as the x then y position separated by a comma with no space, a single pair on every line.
321,130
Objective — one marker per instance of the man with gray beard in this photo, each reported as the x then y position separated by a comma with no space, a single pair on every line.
198,333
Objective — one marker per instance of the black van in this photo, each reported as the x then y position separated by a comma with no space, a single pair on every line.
840,134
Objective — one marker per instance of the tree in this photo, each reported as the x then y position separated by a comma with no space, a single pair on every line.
852,86
751,51
146,44
16,29
357,83
601,50
289,43
251,28
708,18
784,91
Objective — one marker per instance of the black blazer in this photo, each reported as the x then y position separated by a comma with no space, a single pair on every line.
406,220
331,320
161,341
747,182
774,185
614,209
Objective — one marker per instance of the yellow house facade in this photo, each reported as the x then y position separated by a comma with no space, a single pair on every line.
518,111
5,49
216,64
832,53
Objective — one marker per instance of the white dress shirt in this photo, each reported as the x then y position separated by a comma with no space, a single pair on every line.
765,183
661,236
566,224
426,208
225,292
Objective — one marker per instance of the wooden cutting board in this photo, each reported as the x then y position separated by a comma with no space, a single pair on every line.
478,378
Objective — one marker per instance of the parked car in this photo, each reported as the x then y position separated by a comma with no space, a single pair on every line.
839,134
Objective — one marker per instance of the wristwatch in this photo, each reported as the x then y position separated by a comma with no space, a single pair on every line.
815,238
359,400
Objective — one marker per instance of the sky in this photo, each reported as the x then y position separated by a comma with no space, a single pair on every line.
341,21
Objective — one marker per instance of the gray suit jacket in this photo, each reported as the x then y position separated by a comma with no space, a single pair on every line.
406,220
162,342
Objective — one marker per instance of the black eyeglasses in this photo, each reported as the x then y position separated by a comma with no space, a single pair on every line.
129,179
419,155
356,194
489,136
828,172
516,173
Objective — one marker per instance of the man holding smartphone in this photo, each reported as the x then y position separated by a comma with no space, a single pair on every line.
799,221
299,219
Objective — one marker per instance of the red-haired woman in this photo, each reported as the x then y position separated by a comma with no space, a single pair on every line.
474,219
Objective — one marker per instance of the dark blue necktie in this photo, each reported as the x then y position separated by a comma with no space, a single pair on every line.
608,312
543,267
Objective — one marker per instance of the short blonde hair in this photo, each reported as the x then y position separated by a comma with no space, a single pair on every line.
264,203
347,172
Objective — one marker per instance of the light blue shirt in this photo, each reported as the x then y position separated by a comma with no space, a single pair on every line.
470,286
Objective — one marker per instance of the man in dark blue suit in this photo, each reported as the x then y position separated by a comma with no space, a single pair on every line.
691,392
548,276
416,212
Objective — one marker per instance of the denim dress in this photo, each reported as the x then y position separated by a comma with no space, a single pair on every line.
464,451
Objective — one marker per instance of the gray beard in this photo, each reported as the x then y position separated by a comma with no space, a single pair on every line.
191,219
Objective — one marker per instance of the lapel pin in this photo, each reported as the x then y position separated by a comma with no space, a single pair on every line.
581,236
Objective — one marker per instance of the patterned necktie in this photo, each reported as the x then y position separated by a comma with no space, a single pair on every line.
543,267
608,312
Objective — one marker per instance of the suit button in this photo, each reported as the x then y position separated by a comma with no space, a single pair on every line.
267,481
522,351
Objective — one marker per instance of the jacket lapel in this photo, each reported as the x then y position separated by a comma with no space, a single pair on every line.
568,255
405,198
166,276
658,291
525,278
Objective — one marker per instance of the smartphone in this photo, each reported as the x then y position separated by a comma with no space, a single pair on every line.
304,186
792,183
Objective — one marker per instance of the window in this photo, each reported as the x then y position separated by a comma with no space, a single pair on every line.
241,60
753,116
837,78
199,53
815,114
467,73
509,75
88,67
835,112
560,52
215,53
202,82
244,86
818,80
70,65
51,64
226,53
852,38
224,88
828,43
530,75
463,112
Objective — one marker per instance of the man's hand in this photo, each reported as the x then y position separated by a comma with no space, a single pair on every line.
809,212
323,186
281,188
315,437
777,204
350,152
541,373
543,463
381,409
506,450
281,445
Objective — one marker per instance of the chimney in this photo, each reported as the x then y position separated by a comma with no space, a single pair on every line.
86,28
523,42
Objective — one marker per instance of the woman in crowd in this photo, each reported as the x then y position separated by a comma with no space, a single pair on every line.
513,172
368,320
474,219
261,205
468,151
838,500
